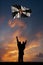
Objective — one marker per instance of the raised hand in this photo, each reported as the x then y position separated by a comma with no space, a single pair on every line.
25,41
16,37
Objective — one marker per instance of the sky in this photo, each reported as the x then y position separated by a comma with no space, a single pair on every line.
30,29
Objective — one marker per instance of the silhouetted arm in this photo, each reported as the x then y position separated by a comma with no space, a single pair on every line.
17,39
18,42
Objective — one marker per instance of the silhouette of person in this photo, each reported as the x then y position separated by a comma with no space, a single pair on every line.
21,48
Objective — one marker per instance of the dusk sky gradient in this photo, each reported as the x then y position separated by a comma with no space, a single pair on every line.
30,28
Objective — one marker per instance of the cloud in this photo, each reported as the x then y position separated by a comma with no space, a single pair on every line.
11,51
40,55
19,34
39,35
34,44
9,47
16,22
9,56
34,47
35,40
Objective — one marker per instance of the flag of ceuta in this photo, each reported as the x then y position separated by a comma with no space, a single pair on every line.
20,11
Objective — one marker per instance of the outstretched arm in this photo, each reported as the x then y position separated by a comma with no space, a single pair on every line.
17,39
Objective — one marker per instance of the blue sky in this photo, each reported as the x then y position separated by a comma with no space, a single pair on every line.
36,6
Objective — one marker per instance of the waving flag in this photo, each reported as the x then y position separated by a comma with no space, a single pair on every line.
20,11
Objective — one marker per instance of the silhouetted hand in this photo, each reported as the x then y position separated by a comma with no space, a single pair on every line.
16,37
25,41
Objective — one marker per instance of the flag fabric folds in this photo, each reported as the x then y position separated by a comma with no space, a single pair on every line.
20,11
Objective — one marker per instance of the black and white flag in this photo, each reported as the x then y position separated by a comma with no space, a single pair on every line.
20,11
